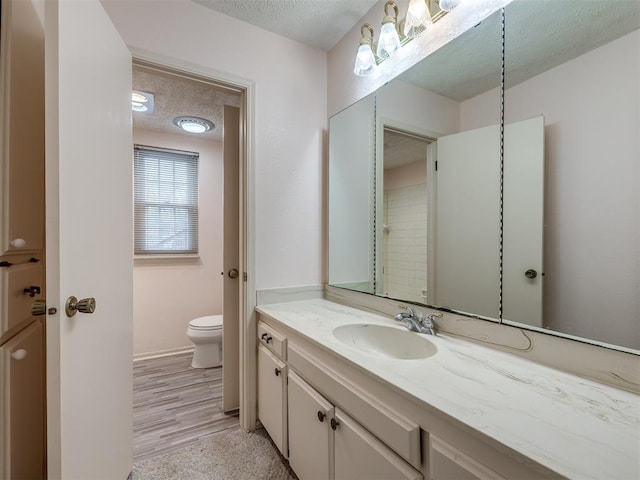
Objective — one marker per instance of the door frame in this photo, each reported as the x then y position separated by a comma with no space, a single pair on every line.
248,324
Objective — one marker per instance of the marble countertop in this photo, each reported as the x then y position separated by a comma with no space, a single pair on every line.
574,426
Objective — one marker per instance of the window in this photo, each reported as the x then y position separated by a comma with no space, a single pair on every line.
165,201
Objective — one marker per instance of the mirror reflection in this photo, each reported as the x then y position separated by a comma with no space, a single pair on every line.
560,251
577,64
351,196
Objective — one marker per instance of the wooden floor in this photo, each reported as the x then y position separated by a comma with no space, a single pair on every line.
175,405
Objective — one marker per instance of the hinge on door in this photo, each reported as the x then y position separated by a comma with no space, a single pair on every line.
244,276
436,165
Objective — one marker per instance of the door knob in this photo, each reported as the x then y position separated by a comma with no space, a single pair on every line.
73,305
233,273
531,273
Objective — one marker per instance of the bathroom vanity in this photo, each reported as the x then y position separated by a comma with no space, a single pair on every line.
346,393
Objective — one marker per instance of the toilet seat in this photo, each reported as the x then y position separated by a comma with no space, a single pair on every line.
208,323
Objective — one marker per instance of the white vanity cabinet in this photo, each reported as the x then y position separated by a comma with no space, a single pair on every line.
272,385
326,443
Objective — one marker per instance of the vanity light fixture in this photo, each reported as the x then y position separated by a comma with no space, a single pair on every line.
418,18
389,40
417,21
141,102
365,60
193,124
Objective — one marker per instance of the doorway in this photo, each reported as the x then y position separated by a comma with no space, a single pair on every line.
170,289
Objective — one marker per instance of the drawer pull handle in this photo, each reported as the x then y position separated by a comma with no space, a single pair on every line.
19,354
277,370
321,416
334,424
264,335
32,291
268,339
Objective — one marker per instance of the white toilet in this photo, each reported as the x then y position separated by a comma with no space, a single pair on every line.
206,335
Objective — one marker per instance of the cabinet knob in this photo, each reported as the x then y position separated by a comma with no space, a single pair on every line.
86,305
321,416
19,354
18,243
278,371
334,424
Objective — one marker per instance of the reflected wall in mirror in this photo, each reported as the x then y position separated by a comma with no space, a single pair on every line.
351,196
578,64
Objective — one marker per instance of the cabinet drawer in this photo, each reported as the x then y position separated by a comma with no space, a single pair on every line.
449,463
272,340
16,305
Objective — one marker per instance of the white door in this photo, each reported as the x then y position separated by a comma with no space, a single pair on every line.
523,221
468,222
231,261
89,242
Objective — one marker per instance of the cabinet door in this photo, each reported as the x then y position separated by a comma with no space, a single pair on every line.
22,87
310,437
359,455
23,399
272,397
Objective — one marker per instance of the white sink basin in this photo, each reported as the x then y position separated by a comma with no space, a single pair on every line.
386,341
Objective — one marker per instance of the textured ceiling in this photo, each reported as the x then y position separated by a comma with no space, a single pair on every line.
174,96
540,34
317,23
401,149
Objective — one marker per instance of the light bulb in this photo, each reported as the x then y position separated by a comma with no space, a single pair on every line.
193,127
365,61
448,5
418,18
139,107
389,40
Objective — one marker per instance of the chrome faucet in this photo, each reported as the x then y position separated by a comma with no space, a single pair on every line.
417,323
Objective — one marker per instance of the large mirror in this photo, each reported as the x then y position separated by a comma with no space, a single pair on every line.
351,196
531,217
575,64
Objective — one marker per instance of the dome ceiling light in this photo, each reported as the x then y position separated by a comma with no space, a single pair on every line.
193,124
142,102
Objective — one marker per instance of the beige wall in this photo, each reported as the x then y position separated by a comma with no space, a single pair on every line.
168,293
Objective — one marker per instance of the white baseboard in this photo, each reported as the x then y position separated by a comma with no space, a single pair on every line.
162,353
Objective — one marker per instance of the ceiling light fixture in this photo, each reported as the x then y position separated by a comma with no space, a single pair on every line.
193,124
142,102
389,39
365,60
418,19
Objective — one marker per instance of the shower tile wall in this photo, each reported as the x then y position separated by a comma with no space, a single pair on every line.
405,240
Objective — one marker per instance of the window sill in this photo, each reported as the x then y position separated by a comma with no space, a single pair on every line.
167,259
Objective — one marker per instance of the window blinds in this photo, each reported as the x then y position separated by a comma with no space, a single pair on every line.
165,201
